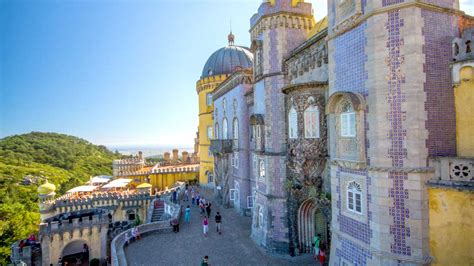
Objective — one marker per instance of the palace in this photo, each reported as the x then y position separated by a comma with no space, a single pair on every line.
356,128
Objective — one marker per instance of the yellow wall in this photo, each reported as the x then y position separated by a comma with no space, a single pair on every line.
464,99
162,180
203,87
451,226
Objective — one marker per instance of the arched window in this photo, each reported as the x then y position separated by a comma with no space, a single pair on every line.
236,129
311,122
262,168
292,124
209,132
468,47
258,216
354,197
224,129
216,131
456,49
348,120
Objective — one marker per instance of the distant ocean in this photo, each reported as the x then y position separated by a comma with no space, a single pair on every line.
148,150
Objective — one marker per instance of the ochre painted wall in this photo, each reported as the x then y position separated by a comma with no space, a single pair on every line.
464,99
203,87
162,180
451,226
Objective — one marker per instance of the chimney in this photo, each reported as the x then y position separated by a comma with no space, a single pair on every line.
166,157
185,156
140,155
175,155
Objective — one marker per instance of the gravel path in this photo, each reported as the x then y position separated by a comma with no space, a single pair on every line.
189,246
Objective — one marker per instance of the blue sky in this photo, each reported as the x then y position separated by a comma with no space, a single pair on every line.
113,72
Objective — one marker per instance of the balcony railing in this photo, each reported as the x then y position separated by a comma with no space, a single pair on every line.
219,146
453,169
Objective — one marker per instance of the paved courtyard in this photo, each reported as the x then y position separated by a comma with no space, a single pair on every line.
232,247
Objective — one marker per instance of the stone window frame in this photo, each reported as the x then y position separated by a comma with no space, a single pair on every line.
259,217
225,128
255,165
346,179
292,123
353,190
312,108
210,132
216,131
208,99
261,168
235,129
235,159
333,110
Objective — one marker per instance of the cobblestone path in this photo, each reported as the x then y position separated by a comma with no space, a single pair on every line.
189,246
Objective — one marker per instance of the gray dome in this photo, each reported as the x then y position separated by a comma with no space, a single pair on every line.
226,60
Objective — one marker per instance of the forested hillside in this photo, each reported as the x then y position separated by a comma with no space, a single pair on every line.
25,161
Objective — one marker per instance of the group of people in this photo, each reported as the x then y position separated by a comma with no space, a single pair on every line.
319,249
133,235
30,241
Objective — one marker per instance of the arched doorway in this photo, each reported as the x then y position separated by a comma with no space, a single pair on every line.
311,222
76,253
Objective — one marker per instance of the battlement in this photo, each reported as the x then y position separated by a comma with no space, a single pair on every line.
77,220
463,48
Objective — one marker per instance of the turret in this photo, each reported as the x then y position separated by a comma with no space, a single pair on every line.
46,193
175,155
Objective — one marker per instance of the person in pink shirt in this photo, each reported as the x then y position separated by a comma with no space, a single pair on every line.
205,225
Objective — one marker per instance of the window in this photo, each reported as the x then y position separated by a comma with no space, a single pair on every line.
235,160
232,194
348,121
209,99
250,202
216,131
210,154
468,46
257,131
210,177
236,128
209,132
311,122
259,217
292,124
262,168
456,49
354,197
224,129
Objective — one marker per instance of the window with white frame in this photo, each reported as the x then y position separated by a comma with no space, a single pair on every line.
259,217
232,194
210,154
235,160
209,132
348,121
262,168
209,99
224,129
311,122
354,197
216,131
236,129
257,131
292,124
250,202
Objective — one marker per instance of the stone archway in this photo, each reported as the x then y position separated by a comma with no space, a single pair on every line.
73,253
311,222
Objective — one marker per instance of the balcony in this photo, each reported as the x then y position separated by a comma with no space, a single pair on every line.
220,146
453,171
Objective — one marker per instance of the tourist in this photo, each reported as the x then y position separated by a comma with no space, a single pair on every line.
322,256
187,214
218,222
21,245
186,195
205,261
135,233
316,243
193,196
85,250
205,226
175,224
208,209
197,198
174,196
201,207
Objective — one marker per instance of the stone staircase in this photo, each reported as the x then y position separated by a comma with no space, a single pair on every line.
158,211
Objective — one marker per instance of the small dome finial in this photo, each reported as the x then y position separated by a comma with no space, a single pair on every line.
231,38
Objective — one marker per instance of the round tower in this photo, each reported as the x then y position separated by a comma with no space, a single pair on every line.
220,65
46,193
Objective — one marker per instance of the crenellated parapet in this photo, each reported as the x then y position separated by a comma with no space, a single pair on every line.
182,169
209,83
84,224
282,20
